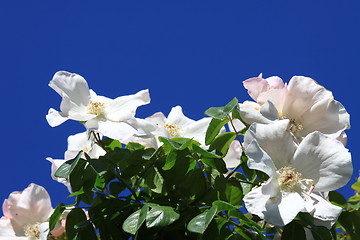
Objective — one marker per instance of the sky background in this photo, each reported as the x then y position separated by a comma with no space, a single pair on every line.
193,54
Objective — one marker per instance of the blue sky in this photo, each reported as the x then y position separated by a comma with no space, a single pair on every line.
193,54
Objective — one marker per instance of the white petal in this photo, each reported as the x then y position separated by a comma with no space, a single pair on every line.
275,140
283,209
232,158
326,116
30,206
6,229
275,82
71,85
324,210
255,202
250,113
276,96
44,230
116,130
303,93
269,111
54,118
197,130
324,160
259,159
177,117
124,108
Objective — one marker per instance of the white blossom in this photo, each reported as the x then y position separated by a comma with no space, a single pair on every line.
108,116
298,174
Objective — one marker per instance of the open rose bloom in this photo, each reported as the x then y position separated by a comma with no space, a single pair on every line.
26,215
308,106
298,174
109,117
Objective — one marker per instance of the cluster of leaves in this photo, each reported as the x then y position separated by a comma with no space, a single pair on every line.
178,191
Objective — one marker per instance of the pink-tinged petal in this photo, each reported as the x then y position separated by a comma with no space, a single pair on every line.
327,116
276,96
275,82
6,229
283,209
324,210
303,93
5,210
275,140
196,130
177,117
54,118
232,158
124,108
71,85
250,113
30,206
324,160
255,86
116,130
259,159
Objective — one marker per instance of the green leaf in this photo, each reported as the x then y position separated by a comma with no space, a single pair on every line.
224,206
160,216
111,143
170,160
351,222
203,153
234,193
66,168
135,220
154,180
321,233
293,231
222,112
355,198
77,226
56,215
200,223
214,129
356,186
337,199
222,143
216,163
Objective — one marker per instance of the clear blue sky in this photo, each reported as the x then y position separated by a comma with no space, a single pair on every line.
191,54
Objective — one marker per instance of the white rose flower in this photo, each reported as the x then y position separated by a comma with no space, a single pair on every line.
297,174
107,116
308,106
27,214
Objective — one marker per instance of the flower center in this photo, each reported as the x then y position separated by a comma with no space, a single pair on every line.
173,129
288,177
295,126
32,231
96,108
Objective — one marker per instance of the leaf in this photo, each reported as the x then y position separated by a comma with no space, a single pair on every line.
160,216
214,129
293,231
224,206
222,143
170,160
351,222
56,215
111,143
356,186
76,226
216,163
203,153
222,112
66,168
321,233
135,220
234,193
337,199
199,223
